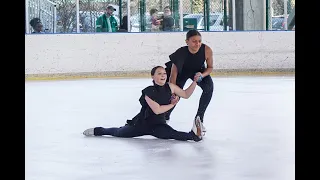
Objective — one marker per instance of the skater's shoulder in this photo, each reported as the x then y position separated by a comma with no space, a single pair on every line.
182,49
150,88
207,48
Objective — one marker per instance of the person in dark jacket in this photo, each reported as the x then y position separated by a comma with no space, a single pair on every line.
168,21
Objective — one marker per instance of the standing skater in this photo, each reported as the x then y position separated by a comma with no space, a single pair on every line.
188,62
155,101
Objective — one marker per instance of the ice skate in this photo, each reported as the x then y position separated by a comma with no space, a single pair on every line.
197,127
89,132
203,129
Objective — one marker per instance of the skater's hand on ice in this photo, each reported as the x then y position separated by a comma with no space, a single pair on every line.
174,99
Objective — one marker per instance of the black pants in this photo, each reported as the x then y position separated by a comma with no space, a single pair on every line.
161,131
207,89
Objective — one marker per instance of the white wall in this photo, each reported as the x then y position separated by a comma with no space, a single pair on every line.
78,53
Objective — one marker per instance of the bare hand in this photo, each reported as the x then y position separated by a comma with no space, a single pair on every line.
197,76
174,99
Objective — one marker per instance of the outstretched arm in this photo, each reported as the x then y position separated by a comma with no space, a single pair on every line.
183,93
156,108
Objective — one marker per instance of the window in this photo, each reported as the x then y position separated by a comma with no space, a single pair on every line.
212,20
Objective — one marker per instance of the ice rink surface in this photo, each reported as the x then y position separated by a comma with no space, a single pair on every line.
250,135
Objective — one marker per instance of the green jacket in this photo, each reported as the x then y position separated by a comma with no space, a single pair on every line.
102,24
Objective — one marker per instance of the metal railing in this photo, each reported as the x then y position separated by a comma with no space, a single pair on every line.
43,9
80,16
278,12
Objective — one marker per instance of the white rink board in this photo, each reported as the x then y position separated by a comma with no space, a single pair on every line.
81,53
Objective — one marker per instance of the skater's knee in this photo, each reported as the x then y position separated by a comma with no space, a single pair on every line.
208,88
127,131
207,84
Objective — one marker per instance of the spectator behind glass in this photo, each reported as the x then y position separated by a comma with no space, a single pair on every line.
36,25
155,23
107,22
168,21
124,24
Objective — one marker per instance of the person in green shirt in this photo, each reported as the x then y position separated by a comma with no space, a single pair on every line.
107,22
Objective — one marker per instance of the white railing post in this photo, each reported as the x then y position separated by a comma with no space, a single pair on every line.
78,18
181,15
128,15
27,17
285,14
234,15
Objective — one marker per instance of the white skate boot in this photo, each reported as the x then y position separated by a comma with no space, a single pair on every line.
197,127
203,129
89,132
